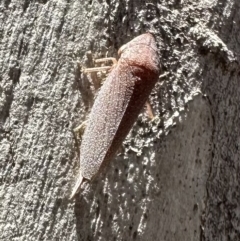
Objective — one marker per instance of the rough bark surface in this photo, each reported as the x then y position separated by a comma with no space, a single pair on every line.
175,179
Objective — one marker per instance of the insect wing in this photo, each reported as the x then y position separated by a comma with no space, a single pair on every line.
104,120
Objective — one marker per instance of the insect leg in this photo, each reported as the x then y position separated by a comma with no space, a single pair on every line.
102,60
96,69
150,113
102,68
149,110
81,127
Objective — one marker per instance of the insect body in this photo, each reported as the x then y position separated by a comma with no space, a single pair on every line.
118,105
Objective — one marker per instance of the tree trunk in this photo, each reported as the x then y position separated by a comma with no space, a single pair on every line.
176,178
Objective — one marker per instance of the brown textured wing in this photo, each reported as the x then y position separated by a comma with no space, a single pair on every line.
105,117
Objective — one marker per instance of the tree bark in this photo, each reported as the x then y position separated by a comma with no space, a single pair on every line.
176,178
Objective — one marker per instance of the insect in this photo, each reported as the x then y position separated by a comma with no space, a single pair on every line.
118,104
